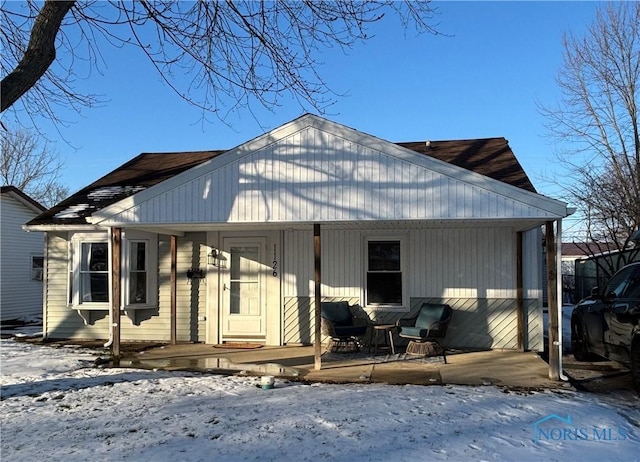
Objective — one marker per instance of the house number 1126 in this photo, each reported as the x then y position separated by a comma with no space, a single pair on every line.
275,263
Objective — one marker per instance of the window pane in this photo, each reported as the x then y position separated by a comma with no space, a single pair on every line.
37,262
94,256
94,272
37,266
244,263
619,283
384,256
94,287
138,256
633,288
384,288
138,287
137,272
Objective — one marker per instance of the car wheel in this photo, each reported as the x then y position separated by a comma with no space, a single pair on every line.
635,366
579,342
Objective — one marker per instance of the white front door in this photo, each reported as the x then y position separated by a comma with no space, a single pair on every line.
243,290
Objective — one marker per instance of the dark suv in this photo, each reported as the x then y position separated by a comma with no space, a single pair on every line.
607,323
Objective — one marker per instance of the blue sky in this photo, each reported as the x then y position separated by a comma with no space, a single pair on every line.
482,80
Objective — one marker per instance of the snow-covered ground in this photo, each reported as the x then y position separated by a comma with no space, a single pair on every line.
57,406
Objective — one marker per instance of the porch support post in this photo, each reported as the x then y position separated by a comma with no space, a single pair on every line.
520,292
552,301
174,288
559,296
116,252
317,338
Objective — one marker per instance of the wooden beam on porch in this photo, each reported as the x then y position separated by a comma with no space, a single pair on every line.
520,292
317,338
552,302
174,288
116,270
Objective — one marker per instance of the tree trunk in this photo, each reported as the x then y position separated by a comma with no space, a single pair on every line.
41,52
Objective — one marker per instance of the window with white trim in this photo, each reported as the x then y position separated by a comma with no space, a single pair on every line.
139,270
93,272
37,267
89,271
137,265
384,278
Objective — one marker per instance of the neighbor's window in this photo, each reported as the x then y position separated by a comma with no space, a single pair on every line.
384,272
137,272
94,272
37,267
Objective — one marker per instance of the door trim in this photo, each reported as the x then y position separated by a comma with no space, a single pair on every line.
260,334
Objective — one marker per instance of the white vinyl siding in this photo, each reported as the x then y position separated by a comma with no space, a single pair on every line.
342,177
460,262
21,293
472,269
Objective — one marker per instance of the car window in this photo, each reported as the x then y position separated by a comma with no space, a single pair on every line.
619,282
632,290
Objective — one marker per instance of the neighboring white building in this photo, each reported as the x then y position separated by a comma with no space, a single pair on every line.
21,257
218,246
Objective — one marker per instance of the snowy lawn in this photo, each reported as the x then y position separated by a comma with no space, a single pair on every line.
57,406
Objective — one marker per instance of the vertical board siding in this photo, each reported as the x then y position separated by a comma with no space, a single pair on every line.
21,296
314,175
341,263
464,262
532,263
473,269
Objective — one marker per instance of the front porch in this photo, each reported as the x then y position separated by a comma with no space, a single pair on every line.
507,368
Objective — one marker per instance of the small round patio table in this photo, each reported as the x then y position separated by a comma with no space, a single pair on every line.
387,331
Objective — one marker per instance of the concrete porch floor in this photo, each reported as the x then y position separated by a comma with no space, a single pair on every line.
497,367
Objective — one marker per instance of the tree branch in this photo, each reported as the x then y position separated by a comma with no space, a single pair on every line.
41,52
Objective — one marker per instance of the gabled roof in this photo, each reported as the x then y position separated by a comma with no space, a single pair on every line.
490,157
23,198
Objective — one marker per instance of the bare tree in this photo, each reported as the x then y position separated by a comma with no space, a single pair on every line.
31,166
597,123
235,52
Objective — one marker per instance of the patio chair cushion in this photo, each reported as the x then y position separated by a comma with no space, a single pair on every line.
339,320
414,332
338,313
350,331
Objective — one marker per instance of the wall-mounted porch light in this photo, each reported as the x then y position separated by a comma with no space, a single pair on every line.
215,258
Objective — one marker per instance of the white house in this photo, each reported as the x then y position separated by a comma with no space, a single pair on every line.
21,257
218,246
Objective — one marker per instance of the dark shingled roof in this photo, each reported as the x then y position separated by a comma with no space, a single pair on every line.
139,173
491,157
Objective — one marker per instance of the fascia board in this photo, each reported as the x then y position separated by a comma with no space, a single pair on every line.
65,228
